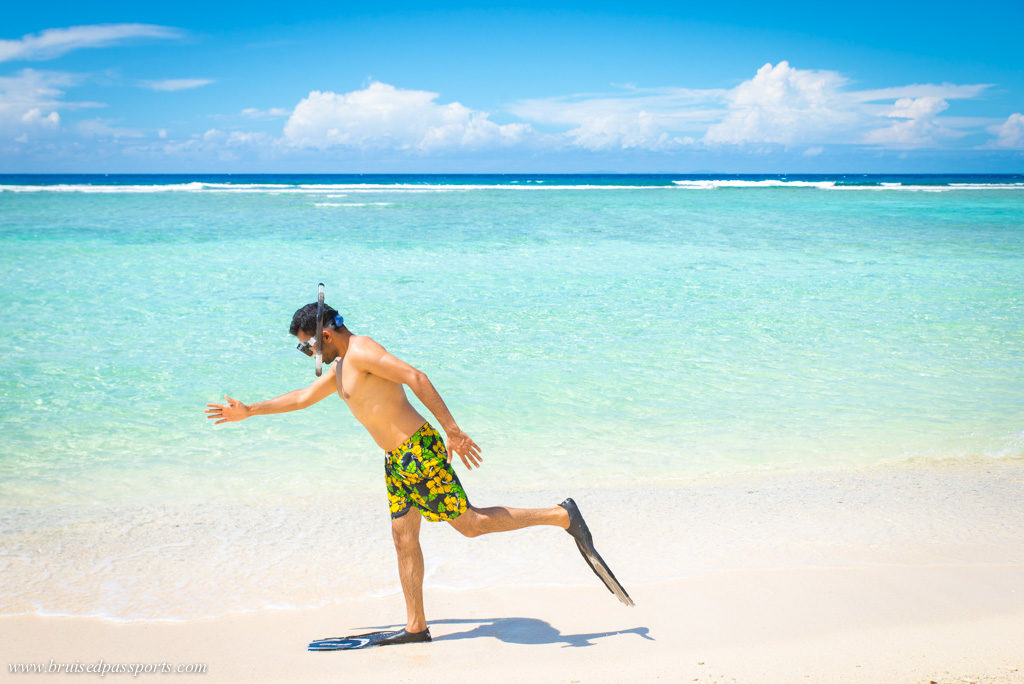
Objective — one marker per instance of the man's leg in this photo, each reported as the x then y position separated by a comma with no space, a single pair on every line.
476,521
406,533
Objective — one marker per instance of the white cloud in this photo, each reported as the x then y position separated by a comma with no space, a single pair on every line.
247,138
943,91
38,88
918,127
55,42
212,144
34,116
781,104
214,135
272,113
29,100
382,116
808,110
1010,133
102,128
653,119
171,84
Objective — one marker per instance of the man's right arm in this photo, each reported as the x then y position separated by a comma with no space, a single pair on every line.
235,410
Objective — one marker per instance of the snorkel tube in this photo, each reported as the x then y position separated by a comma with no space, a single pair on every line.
318,345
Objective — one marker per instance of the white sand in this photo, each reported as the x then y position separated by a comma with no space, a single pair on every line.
880,624
910,574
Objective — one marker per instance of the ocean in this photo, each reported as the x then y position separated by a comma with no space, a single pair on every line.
608,333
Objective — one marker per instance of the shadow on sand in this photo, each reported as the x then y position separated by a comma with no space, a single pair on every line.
520,630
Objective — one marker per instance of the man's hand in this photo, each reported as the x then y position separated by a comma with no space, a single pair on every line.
230,412
460,443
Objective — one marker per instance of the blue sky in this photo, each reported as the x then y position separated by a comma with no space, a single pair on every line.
535,87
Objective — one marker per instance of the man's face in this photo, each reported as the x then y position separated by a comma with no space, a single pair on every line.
327,346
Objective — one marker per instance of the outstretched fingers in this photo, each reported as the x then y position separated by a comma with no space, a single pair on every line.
470,455
219,411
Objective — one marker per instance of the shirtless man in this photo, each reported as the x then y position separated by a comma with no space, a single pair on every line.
418,467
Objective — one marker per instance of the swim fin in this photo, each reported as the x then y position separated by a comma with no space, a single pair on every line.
585,543
369,640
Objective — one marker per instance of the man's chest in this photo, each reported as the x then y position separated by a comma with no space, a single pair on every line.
360,389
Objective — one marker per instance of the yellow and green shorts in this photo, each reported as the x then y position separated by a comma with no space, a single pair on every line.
418,474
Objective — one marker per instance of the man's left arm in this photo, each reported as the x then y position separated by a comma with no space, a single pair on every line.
372,357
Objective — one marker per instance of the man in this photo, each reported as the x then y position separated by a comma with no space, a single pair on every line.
418,469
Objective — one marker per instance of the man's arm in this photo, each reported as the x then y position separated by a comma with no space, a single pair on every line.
370,356
234,410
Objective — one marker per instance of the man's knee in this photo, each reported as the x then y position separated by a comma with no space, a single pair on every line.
468,524
405,541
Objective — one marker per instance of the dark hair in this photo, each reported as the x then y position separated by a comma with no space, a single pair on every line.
305,319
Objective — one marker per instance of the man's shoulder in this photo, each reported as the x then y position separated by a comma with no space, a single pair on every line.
362,344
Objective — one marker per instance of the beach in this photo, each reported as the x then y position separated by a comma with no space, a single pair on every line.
789,408
908,574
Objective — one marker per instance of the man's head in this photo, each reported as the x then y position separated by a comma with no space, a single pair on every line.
335,338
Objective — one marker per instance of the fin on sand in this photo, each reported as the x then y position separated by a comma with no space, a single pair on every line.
581,533
369,640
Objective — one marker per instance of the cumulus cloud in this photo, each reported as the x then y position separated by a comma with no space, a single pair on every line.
36,117
171,84
1010,133
55,42
382,116
918,126
779,105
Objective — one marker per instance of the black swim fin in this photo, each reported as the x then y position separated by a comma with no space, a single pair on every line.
370,639
368,635
585,543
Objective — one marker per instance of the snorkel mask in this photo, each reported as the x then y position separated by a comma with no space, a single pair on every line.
314,345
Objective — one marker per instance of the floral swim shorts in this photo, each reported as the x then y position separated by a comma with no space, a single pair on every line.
418,474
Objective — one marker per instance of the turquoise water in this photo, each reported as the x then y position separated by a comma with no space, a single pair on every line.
610,337
588,333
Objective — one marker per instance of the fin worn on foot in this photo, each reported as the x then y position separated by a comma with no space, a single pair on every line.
370,639
585,543
368,635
